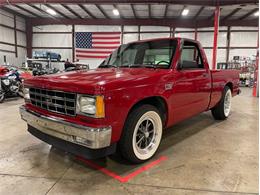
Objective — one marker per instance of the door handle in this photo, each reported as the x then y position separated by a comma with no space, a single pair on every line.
204,74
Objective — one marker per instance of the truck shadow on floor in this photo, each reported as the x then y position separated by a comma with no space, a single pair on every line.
171,137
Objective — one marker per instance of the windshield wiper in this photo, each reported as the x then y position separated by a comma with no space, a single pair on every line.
108,66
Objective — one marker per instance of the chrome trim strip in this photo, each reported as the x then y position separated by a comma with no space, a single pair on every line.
90,137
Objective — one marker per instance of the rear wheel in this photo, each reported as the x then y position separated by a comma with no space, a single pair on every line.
222,110
141,135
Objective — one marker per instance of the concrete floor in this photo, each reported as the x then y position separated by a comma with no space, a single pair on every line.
204,157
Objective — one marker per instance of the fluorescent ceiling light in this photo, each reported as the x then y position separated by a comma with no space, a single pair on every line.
51,11
116,12
185,12
256,13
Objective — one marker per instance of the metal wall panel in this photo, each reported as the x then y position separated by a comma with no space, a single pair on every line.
11,59
6,18
52,40
7,35
127,38
53,28
21,38
94,28
130,28
154,28
154,35
242,39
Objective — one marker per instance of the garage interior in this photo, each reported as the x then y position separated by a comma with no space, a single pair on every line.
196,156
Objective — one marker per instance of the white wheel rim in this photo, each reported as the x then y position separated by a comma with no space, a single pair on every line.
147,135
227,102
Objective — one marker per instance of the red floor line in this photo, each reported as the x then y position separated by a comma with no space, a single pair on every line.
102,169
118,177
144,168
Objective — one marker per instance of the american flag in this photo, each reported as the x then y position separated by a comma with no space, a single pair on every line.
95,44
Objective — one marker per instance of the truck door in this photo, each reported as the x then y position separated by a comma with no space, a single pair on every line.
192,83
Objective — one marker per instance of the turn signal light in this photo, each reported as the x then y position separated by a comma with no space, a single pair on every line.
100,107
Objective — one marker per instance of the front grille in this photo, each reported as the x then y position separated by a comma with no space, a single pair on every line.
54,101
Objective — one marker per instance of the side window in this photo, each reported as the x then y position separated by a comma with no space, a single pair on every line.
191,57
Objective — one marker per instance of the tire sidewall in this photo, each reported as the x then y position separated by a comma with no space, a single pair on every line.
126,142
158,125
218,111
227,90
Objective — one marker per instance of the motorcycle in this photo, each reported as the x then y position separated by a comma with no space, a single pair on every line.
10,85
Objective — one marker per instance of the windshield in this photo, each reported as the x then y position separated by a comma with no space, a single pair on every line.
157,54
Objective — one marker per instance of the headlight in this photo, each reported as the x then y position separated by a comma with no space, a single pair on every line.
93,106
26,93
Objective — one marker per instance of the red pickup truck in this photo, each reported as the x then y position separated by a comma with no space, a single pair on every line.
140,89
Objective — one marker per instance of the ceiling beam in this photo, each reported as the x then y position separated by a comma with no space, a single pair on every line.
60,13
86,10
102,11
166,11
133,10
14,12
40,10
26,10
231,13
182,2
198,13
184,23
71,10
248,14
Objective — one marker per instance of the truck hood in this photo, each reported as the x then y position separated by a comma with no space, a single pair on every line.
97,80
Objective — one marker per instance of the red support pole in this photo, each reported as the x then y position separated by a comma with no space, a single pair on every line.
215,43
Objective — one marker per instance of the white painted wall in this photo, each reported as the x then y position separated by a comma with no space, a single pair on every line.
238,39
7,35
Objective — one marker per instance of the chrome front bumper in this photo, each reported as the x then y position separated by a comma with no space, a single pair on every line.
90,137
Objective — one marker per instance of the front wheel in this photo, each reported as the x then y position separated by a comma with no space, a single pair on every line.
142,134
222,110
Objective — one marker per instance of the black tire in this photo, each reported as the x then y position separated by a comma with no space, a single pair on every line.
218,111
126,146
2,97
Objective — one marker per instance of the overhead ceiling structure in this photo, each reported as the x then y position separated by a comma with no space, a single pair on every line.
135,12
